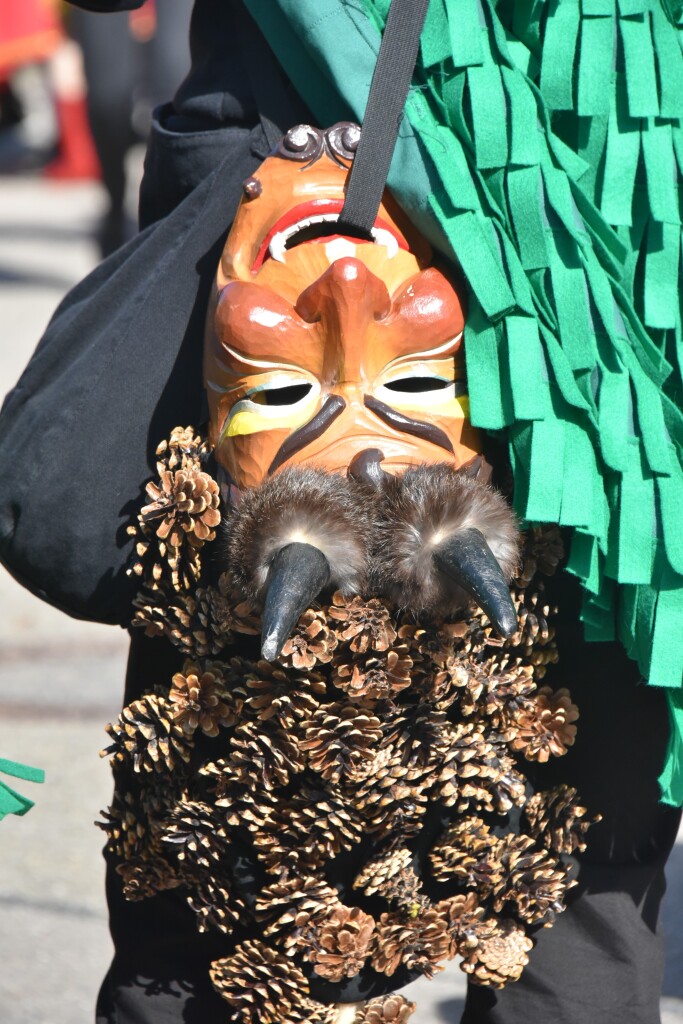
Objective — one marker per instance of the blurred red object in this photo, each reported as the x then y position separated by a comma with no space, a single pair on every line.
29,31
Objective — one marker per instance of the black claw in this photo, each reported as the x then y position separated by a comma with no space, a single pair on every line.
467,559
296,576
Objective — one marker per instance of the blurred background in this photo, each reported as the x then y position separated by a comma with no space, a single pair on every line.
76,94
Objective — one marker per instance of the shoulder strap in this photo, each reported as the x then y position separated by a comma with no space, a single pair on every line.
388,91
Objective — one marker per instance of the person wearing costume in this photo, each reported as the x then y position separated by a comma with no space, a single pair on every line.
542,164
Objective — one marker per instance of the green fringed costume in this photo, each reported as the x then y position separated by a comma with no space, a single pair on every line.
570,240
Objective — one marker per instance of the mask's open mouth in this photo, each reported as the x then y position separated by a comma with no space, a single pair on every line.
315,222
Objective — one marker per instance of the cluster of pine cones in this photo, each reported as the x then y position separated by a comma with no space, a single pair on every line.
368,733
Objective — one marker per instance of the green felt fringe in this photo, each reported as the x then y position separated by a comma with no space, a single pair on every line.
12,802
543,151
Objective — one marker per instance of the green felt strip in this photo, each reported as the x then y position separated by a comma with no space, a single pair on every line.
621,161
597,8
527,369
578,472
489,116
559,45
562,371
457,182
584,560
21,771
574,321
671,779
591,141
666,664
615,418
480,264
639,58
490,401
525,147
629,8
12,802
637,526
670,490
465,32
661,274
669,65
545,471
525,195
595,66
660,169
435,44
653,428
559,194
519,281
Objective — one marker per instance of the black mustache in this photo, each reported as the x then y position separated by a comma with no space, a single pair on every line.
407,425
309,432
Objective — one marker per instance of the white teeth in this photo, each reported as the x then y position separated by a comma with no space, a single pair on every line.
338,248
335,250
385,238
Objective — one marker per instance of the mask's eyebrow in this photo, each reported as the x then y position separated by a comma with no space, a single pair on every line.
310,431
407,425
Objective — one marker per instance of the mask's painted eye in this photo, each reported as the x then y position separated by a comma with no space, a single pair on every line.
415,385
288,395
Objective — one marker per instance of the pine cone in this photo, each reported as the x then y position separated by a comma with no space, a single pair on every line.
393,877
262,756
391,799
185,449
533,880
542,551
341,943
462,916
339,741
146,876
467,853
147,735
363,625
186,503
262,986
432,645
274,695
126,825
197,834
420,943
311,643
500,954
200,625
216,907
200,700
557,821
379,677
297,905
302,833
534,641
508,689
545,725
393,1009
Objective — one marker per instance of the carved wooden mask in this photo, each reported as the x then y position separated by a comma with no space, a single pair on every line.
321,348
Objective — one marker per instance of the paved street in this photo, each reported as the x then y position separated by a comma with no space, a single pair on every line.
61,680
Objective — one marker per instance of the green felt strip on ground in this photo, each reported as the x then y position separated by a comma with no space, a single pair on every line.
621,161
525,195
12,802
660,170
595,66
671,779
489,116
465,32
669,65
528,373
525,146
639,58
559,46
661,275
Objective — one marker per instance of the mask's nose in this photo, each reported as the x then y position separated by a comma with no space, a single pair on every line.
366,467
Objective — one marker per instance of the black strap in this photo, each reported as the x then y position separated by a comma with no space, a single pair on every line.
388,91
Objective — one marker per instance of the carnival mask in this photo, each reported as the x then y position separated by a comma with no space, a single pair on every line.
329,355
